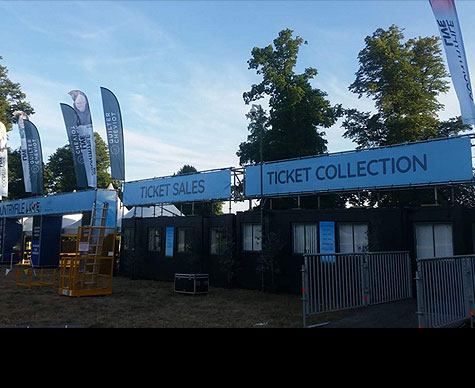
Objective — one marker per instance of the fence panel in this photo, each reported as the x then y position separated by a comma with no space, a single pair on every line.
389,277
333,282
445,290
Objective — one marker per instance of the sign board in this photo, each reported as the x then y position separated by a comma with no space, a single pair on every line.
169,242
327,237
204,186
327,240
438,161
67,203
83,246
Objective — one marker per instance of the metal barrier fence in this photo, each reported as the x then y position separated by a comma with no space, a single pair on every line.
333,282
445,291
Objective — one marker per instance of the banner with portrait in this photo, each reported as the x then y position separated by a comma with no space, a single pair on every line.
71,122
86,135
20,117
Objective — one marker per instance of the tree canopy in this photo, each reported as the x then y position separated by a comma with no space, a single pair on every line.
11,99
198,207
297,111
404,78
60,176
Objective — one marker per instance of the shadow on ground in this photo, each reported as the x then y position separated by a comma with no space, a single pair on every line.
401,314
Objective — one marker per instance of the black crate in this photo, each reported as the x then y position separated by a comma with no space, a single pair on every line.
191,283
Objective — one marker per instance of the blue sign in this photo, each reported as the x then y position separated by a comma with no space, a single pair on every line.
327,237
327,240
439,161
213,185
35,253
169,242
68,203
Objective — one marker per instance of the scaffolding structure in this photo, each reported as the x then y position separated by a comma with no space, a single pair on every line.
90,270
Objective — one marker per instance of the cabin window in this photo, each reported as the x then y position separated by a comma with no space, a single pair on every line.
353,237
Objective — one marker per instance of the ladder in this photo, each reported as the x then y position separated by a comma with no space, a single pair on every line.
95,239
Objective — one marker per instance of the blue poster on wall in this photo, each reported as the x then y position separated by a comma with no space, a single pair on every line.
169,241
431,162
327,240
327,237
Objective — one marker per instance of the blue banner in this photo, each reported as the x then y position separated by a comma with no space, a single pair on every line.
438,161
71,123
35,157
215,185
86,135
67,203
327,237
115,134
21,116
169,242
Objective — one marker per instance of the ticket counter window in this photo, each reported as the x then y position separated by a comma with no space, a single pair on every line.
185,240
252,237
305,238
128,238
154,240
434,240
219,242
353,238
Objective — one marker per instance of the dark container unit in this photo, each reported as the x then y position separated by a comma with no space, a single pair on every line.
231,263
10,240
46,241
144,247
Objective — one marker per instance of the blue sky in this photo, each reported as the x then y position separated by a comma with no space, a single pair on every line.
179,68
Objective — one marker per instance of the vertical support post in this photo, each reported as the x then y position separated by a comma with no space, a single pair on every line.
304,272
468,288
421,308
365,279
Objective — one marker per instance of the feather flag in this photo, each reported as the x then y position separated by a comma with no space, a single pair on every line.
115,134
3,162
86,135
449,27
21,116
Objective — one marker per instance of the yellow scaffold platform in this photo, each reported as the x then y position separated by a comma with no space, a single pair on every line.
90,270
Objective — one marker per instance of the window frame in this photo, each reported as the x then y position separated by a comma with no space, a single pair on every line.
186,244
160,245
305,224
253,225
219,244
353,236
433,225
128,238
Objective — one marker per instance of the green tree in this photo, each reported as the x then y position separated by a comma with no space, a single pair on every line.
198,207
16,185
297,111
297,115
60,176
404,78
11,99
